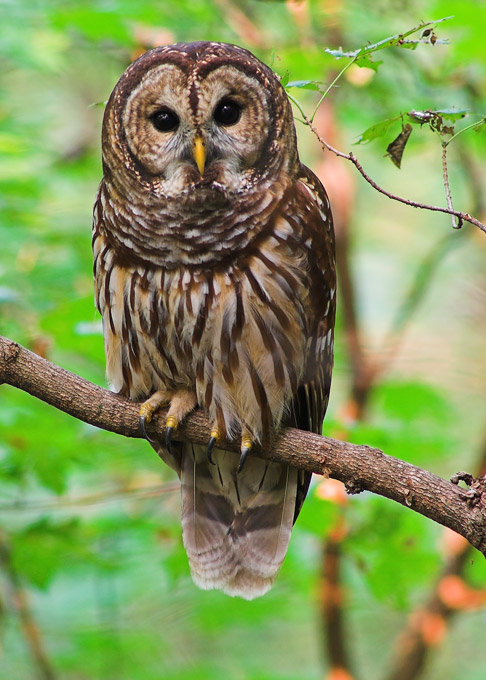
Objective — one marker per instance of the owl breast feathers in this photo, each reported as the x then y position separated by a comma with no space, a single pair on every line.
215,278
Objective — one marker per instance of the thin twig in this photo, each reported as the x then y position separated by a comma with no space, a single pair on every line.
458,224
463,217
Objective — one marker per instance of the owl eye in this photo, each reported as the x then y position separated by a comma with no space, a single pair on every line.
165,120
227,112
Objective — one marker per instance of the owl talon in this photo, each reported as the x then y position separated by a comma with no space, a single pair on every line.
246,445
147,410
211,444
244,454
142,420
214,438
141,424
171,424
168,439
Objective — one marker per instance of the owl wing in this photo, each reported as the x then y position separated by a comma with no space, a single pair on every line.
310,401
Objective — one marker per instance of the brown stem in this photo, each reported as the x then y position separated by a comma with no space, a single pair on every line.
331,600
445,174
462,217
43,668
359,467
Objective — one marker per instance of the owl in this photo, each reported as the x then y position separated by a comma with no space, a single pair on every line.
214,274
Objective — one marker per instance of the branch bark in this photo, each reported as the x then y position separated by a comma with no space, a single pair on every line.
359,467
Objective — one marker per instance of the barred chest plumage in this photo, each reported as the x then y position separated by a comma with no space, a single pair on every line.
229,333
214,274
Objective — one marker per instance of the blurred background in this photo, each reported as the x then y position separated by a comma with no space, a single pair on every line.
94,581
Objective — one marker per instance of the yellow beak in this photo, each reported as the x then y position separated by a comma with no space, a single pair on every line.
199,153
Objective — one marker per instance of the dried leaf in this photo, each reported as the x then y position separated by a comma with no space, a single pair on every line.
396,148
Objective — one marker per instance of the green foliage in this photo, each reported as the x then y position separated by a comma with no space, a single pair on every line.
408,562
92,520
362,56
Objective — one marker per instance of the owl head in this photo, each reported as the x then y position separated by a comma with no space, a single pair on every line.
198,120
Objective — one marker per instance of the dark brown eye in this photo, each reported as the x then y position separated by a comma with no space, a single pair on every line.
165,120
227,112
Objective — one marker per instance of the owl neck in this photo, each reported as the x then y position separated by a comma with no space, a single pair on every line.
197,232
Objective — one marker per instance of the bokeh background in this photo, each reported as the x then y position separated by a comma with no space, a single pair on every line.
94,582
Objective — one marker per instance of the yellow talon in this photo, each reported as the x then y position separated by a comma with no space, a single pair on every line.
246,444
215,435
172,422
146,411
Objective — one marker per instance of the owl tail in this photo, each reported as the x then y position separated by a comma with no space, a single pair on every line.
236,527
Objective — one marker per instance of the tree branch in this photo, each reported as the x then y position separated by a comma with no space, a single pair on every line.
359,467
461,216
447,187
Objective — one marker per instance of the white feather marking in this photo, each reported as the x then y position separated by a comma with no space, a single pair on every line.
186,279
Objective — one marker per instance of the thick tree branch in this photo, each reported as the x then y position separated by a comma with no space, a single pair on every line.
359,467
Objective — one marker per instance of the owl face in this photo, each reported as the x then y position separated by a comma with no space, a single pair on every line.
197,120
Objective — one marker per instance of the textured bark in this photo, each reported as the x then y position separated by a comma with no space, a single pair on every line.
359,467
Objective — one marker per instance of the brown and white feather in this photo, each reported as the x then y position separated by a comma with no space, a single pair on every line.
221,288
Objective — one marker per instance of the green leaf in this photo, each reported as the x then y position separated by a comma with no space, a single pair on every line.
367,62
480,124
304,84
453,114
377,130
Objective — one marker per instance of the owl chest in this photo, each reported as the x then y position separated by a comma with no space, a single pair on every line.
224,335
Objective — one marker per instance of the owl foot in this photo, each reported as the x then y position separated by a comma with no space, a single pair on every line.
148,408
215,435
182,403
246,444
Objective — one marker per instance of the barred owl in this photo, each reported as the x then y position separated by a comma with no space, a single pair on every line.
215,278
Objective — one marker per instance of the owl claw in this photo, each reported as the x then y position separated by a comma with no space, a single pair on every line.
246,445
171,424
244,454
147,410
214,438
141,424
142,420
168,439
211,444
